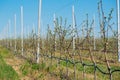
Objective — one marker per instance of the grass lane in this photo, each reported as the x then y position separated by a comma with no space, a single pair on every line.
6,71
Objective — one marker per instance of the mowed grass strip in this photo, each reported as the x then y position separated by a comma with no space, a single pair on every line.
6,71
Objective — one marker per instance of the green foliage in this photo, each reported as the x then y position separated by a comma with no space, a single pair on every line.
41,76
89,69
51,68
79,67
25,68
5,53
64,63
36,66
42,66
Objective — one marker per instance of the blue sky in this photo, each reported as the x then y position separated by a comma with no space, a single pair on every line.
61,8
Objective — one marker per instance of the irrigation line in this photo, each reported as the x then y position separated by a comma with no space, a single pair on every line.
84,65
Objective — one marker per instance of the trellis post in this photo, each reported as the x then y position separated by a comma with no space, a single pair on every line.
73,34
22,30
15,31
55,30
39,17
94,33
118,24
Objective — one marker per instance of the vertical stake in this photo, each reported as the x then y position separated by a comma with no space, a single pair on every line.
9,22
22,30
39,17
55,30
7,35
15,31
94,34
118,24
73,16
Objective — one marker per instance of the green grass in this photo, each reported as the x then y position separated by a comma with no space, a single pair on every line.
6,71
27,68
38,71
5,53
90,70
